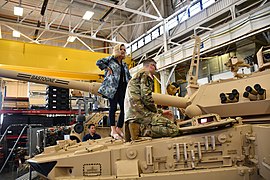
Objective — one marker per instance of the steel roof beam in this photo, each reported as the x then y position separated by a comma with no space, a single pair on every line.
131,16
126,9
156,9
60,13
105,19
60,32
116,29
54,3
140,8
36,7
62,19
139,18
4,4
131,24
85,44
65,13
30,39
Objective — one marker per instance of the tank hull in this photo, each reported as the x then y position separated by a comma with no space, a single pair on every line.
225,153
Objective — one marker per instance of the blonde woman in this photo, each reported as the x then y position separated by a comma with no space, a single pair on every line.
114,86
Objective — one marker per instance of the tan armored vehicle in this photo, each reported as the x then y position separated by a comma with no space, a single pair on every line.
218,142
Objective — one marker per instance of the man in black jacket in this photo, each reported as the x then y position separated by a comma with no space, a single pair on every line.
92,133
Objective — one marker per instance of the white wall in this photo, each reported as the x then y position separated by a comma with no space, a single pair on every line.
16,89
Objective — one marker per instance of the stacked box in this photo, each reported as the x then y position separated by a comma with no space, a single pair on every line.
57,98
16,103
22,105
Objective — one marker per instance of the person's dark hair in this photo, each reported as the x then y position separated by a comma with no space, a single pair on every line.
148,61
89,126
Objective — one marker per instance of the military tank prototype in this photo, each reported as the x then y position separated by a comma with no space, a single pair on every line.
221,140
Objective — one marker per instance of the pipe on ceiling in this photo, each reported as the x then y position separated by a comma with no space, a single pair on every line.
42,12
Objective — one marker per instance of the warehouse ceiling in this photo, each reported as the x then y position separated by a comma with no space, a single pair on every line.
53,21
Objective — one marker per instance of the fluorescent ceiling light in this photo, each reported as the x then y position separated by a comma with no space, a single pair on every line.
18,11
16,34
71,38
88,15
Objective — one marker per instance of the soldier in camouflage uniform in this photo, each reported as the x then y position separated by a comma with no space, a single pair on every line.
140,108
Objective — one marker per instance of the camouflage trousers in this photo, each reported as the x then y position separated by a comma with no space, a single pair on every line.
158,126
162,127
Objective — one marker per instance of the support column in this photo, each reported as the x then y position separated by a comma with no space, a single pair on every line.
165,35
164,76
233,13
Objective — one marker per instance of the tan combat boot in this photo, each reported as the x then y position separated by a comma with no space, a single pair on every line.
126,132
134,130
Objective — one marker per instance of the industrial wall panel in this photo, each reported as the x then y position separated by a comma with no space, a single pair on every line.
239,28
260,19
181,27
16,89
209,13
245,29
195,19
217,6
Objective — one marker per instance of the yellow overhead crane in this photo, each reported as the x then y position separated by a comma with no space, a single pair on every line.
51,60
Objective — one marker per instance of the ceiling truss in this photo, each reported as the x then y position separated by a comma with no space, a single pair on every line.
63,18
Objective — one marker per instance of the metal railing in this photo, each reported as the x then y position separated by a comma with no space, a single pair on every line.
24,126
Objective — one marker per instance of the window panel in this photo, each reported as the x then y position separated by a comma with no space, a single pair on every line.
172,23
161,30
134,47
183,16
141,43
195,9
206,3
128,50
147,38
155,33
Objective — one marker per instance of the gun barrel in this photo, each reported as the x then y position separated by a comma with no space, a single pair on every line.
160,99
223,97
51,81
257,87
168,100
235,93
229,97
262,94
250,96
251,90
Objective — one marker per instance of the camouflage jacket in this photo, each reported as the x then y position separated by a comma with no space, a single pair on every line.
110,84
139,103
